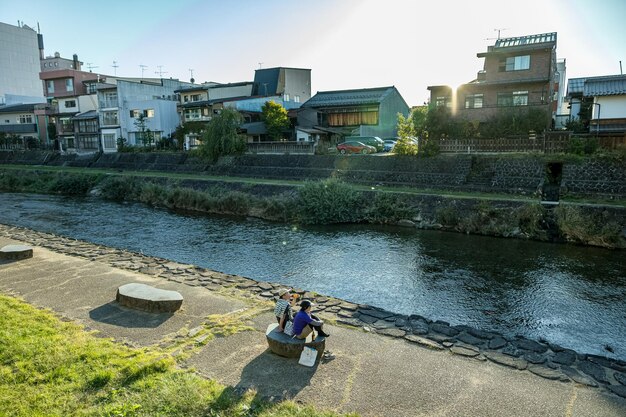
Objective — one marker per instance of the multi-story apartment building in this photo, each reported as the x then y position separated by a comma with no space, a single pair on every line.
519,72
69,92
20,52
132,108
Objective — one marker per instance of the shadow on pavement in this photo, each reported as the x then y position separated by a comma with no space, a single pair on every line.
273,377
113,313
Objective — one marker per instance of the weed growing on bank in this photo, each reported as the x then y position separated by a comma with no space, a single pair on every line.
597,229
54,368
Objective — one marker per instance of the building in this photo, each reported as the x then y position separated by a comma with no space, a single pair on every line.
599,102
139,111
518,73
20,52
68,92
289,87
19,123
361,112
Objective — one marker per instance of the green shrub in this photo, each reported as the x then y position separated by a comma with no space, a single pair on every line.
582,146
594,228
447,216
281,208
120,188
530,219
73,184
329,201
387,208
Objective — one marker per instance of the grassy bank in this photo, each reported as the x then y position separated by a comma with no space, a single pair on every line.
332,201
53,368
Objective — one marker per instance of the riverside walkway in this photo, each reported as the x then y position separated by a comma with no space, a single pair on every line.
373,374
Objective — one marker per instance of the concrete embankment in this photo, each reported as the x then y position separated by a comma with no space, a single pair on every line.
386,364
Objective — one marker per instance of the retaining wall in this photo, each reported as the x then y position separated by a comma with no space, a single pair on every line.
486,173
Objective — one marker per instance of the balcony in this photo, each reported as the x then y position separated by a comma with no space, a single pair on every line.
46,109
107,104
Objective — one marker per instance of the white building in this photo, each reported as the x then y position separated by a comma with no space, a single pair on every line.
20,53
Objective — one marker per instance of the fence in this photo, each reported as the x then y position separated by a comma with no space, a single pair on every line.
281,148
550,142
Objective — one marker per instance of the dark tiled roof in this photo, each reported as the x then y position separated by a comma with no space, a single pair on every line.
92,114
597,86
348,97
14,108
575,85
605,86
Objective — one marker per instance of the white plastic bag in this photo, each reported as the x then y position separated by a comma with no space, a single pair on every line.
308,356
289,328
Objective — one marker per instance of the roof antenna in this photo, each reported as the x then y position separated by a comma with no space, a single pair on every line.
91,66
261,65
143,68
115,67
160,72
191,75
620,67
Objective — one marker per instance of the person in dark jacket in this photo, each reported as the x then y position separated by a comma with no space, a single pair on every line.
304,323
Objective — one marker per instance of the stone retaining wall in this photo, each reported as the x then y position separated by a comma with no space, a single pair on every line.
537,356
487,173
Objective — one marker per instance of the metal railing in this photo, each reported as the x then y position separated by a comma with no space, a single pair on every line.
281,148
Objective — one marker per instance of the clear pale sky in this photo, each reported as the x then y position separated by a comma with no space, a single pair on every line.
346,43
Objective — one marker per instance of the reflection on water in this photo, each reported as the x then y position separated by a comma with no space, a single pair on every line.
573,296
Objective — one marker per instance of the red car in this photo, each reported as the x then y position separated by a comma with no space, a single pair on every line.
355,147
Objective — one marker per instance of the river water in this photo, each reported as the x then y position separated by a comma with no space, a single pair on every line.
570,295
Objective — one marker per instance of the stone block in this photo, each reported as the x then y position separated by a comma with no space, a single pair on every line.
16,252
291,347
146,298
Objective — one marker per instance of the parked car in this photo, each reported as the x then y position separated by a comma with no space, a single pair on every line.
389,144
374,141
353,146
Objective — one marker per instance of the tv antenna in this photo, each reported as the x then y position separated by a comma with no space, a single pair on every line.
115,67
499,33
261,65
191,75
91,66
143,68
160,72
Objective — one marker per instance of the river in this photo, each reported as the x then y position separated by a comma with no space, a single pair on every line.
570,295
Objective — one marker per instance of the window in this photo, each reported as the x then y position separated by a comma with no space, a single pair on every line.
66,124
25,118
515,63
443,101
50,86
186,98
109,141
516,98
205,112
69,84
286,97
296,99
474,101
148,113
91,88
109,118
135,113
87,126
195,97
192,114
88,142
70,103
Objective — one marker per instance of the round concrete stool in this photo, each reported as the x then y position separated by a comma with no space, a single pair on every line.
16,252
291,347
147,298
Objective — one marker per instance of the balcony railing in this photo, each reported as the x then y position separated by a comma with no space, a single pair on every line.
107,104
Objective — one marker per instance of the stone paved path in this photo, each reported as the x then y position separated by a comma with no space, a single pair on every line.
394,373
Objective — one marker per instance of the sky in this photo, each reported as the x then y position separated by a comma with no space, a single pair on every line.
346,43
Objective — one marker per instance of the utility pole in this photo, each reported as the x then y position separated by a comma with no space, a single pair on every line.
143,68
115,67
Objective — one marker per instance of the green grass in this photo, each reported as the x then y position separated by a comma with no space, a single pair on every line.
49,367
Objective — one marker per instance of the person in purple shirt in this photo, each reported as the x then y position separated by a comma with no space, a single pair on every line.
304,322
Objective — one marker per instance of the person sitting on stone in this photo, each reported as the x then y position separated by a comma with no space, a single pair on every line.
283,309
305,323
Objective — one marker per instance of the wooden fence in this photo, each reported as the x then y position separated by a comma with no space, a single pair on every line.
551,142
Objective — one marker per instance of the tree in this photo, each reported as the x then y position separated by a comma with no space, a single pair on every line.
276,120
147,137
222,137
406,135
